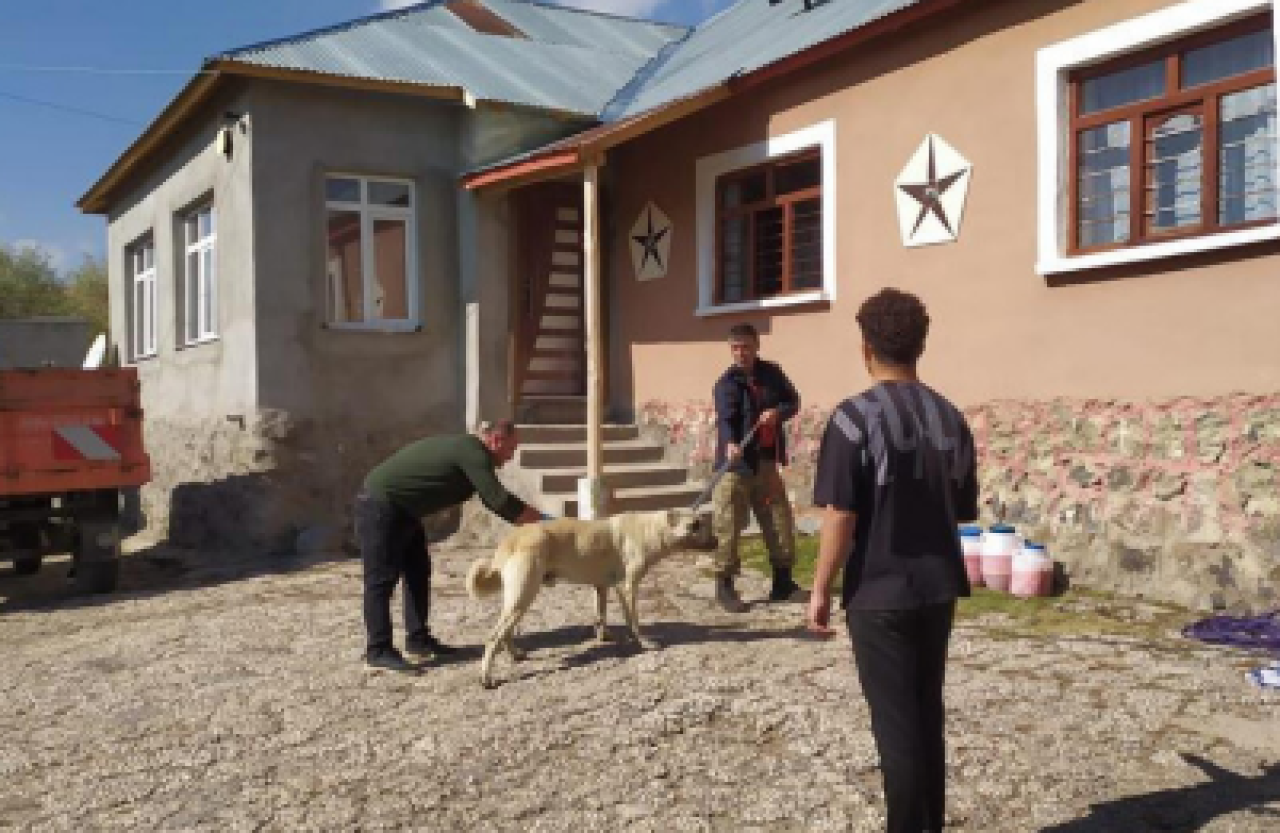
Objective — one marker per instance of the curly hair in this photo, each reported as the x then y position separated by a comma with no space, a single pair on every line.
894,325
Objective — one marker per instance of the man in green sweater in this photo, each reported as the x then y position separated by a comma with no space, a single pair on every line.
424,477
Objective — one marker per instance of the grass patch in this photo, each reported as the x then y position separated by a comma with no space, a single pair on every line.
1079,611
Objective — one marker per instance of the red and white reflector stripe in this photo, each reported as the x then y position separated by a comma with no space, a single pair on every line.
84,442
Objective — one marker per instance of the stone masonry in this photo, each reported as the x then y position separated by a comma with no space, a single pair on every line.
1176,500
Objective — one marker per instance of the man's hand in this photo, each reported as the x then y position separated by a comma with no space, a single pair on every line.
818,617
768,418
732,451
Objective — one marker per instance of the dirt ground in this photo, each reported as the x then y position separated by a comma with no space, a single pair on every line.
226,694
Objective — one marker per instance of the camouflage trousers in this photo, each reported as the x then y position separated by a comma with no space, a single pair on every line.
764,495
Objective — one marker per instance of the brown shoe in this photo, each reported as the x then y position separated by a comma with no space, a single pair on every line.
727,596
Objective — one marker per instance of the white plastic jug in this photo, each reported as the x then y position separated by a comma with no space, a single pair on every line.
1032,571
971,547
999,546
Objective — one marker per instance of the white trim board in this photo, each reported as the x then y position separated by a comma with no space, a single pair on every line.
1053,64
821,135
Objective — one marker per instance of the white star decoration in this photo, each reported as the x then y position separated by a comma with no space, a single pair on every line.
931,193
651,243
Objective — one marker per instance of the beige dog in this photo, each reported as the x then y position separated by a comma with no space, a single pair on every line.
616,552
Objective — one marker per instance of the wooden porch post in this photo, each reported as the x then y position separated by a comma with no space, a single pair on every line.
592,498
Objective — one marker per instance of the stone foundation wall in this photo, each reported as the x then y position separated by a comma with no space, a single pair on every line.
1176,500
271,482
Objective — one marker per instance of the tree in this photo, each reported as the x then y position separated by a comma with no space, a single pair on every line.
29,285
86,293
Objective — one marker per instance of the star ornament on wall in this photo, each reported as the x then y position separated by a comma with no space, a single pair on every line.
931,193
651,243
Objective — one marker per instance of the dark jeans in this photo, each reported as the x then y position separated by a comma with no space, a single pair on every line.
392,545
902,657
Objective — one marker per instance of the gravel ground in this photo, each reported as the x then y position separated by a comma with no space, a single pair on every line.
222,694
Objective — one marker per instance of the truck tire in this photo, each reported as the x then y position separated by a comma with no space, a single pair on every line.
97,553
28,565
96,577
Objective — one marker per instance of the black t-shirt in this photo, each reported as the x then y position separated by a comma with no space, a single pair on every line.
902,458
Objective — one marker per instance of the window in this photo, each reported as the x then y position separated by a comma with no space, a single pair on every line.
766,223
141,260
199,313
1178,142
769,221
371,252
1157,137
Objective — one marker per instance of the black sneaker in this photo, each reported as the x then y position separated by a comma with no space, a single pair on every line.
389,660
784,587
427,646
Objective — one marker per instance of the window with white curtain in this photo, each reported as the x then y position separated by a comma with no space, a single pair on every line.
141,261
371,252
1177,141
199,312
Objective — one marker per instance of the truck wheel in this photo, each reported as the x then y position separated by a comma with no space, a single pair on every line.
27,565
97,555
97,577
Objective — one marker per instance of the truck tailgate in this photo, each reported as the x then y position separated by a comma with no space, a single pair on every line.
70,430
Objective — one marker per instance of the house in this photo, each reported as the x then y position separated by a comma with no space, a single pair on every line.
1083,191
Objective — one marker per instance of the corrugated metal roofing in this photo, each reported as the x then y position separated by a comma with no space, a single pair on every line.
749,35
572,61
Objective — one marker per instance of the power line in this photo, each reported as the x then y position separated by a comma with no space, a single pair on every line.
100,70
52,105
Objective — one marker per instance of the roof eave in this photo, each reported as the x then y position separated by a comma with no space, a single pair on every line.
198,90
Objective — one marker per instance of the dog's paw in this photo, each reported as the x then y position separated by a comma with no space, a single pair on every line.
648,644
488,685
519,655
604,637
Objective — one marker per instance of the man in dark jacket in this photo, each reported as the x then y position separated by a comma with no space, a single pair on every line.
422,478
752,393
896,474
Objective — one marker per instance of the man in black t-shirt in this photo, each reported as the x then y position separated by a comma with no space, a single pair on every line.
896,474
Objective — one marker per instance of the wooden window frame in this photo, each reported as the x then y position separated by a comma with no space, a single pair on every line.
770,201
1207,98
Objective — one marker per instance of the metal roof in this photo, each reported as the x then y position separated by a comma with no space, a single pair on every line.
749,35
571,60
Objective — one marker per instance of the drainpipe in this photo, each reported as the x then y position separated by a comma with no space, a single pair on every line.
592,496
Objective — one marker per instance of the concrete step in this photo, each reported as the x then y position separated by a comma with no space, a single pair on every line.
552,410
574,455
646,499
623,476
535,434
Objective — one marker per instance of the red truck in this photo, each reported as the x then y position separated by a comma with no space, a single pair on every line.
70,449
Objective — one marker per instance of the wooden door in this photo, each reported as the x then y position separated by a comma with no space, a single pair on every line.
551,342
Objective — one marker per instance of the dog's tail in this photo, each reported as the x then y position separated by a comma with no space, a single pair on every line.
483,580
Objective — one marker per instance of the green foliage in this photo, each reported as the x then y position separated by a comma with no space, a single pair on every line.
30,286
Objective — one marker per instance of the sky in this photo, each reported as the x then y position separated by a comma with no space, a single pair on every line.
81,79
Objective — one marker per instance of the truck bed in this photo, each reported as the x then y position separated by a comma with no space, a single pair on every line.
70,430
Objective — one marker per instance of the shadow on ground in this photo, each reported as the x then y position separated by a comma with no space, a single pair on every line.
150,571
1185,809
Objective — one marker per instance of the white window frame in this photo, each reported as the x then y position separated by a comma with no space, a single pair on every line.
206,302
369,214
711,168
142,281
1054,65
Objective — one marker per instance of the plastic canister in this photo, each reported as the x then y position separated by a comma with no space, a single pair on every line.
998,548
1032,571
971,547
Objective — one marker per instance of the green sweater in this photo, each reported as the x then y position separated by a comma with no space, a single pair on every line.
440,472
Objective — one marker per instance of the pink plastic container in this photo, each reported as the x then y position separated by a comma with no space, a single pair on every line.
971,546
998,548
1032,572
